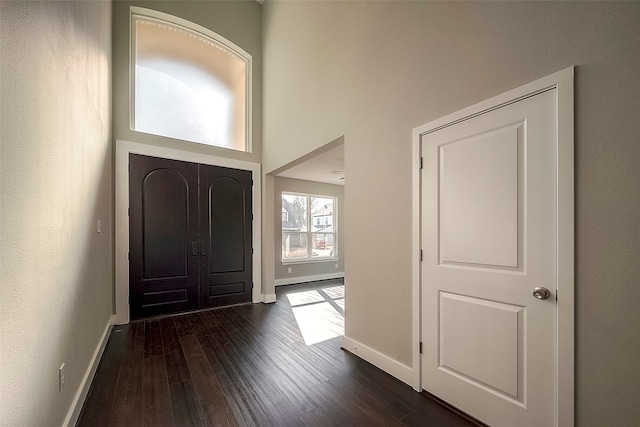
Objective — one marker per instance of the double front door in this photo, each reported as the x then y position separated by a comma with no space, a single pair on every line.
190,229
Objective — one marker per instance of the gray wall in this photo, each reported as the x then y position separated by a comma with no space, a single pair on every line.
56,182
237,21
309,268
373,71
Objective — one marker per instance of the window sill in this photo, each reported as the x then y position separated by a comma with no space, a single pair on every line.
309,261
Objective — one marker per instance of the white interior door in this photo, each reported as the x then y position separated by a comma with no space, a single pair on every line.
489,238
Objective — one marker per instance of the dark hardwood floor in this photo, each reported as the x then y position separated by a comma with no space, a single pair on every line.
246,365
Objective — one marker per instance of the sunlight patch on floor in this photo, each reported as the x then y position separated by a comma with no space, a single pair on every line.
319,313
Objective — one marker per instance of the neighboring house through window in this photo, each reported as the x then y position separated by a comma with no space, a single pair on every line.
308,227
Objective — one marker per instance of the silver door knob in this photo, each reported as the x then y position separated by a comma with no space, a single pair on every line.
541,293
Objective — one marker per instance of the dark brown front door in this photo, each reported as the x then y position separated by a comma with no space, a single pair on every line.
225,230
190,236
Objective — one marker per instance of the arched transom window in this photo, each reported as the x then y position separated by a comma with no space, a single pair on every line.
188,82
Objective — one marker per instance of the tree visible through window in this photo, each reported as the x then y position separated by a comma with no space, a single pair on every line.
309,227
188,82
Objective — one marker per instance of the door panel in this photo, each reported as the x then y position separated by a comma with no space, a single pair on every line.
163,271
225,218
227,224
165,211
475,330
489,238
479,175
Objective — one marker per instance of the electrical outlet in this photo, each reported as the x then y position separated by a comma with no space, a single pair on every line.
289,269
61,377
99,226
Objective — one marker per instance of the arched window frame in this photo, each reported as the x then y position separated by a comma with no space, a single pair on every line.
203,32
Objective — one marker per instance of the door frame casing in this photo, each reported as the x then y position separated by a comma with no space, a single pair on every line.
562,82
123,149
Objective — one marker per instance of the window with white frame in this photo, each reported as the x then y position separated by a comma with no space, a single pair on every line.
188,82
309,225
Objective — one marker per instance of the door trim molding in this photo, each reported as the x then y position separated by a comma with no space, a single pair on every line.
562,81
123,149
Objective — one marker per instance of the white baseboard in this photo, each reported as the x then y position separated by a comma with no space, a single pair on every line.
390,366
83,390
305,279
269,298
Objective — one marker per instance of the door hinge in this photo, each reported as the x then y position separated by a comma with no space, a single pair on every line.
421,162
420,254
251,251
556,295
129,211
420,347
129,255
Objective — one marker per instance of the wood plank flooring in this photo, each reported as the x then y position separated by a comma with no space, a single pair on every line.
246,365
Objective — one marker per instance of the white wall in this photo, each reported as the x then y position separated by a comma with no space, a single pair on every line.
373,71
55,176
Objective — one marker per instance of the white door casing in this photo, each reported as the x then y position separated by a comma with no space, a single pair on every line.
493,229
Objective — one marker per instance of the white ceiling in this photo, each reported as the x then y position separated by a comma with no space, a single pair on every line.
323,165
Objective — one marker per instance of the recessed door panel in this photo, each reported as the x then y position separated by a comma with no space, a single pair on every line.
474,331
157,298
226,289
227,224
165,210
479,198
